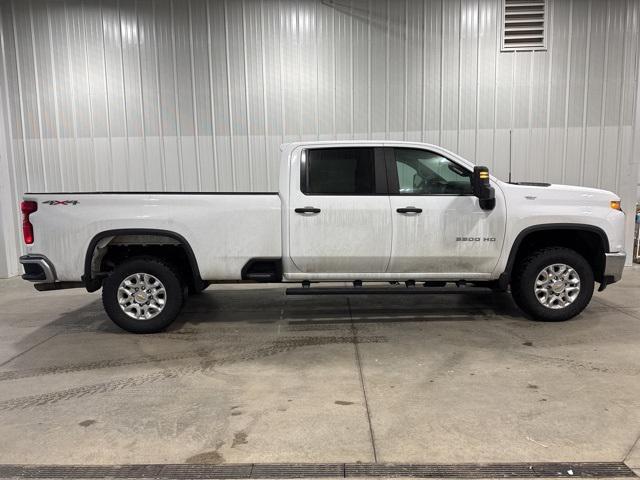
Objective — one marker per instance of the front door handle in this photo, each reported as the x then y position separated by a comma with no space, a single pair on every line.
307,210
409,210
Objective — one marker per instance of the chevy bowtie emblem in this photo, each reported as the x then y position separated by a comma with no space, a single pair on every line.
61,202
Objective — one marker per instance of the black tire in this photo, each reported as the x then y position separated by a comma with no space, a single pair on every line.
165,273
525,275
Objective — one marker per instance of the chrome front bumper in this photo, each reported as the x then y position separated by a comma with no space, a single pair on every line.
613,266
38,268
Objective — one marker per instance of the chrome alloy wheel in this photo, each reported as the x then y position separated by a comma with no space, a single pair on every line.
557,286
142,296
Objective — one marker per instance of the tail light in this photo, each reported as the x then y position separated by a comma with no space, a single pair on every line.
27,207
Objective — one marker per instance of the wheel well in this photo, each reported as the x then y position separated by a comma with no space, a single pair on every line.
114,247
591,243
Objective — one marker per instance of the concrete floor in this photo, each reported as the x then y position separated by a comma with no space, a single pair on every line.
254,376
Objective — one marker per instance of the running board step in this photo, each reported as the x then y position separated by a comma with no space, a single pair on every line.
384,290
263,277
45,287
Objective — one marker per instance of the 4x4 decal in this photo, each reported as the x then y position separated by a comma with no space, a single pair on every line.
61,202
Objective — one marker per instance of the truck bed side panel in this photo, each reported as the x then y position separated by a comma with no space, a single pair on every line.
223,230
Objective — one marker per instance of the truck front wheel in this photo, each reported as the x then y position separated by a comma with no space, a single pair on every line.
143,295
553,284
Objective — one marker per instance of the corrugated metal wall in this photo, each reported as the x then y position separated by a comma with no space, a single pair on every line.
197,95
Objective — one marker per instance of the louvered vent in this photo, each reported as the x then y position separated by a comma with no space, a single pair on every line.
525,25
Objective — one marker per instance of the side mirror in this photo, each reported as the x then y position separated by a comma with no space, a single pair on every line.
482,188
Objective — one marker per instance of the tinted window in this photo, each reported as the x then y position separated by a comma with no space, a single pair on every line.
340,171
421,172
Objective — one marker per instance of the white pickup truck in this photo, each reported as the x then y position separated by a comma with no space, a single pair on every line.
411,215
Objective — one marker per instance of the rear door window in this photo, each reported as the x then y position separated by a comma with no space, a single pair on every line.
339,171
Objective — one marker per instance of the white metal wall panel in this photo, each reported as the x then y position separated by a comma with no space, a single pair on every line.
197,95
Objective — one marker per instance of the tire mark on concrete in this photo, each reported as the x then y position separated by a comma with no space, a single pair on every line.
81,367
578,364
279,346
203,353
117,362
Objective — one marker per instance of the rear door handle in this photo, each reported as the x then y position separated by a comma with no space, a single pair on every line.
307,210
409,210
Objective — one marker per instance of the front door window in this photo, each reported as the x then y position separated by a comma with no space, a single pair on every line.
421,172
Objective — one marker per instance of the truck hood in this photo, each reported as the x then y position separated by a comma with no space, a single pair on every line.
560,193
533,205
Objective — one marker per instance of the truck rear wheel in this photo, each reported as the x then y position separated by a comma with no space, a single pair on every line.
553,284
143,295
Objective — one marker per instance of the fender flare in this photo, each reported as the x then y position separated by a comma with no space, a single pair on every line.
505,277
92,284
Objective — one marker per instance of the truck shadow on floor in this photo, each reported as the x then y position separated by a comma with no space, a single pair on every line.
271,305
268,306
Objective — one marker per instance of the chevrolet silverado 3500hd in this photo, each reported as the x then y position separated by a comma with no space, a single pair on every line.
392,212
